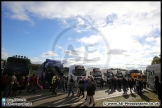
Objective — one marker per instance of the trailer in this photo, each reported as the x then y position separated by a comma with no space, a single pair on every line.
151,72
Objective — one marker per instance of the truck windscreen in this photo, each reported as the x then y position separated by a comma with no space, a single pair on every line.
120,75
96,73
13,65
109,75
80,72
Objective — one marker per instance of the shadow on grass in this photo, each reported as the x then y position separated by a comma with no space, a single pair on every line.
145,98
118,89
133,95
125,96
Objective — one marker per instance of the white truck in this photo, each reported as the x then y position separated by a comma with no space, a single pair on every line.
151,72
107,74
95,73
77,71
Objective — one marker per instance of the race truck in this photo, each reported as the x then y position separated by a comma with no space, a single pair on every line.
107,75
47,70
95,73
21,65
77,71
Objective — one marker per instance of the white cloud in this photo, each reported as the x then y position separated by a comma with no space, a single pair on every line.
59,47
93,39
80,21
4,55
49,54
36,60
150,39
120,22
69,38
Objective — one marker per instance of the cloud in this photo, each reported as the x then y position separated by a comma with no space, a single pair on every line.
117,51
93,39
36,60
3,49
128,27
69,38
150,39
4,55
80,21
59,47
18,11
49,54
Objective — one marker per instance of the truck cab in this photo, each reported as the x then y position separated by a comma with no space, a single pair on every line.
21,65
47,70
96,74
77,71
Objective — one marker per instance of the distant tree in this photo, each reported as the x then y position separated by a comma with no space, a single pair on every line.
156,60
35,66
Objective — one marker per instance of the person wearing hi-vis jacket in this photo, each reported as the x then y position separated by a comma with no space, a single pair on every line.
53,81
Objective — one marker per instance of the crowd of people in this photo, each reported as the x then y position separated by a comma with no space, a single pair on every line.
11,86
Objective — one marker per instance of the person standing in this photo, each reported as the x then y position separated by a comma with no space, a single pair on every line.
101,83
62,83
158,87
124,81
144,84
66,83
71,84
36,84
31,81
90,93
81,83
53,81
4,81
11,80
86,84
56,83
140,87
137,86
21,84
130,84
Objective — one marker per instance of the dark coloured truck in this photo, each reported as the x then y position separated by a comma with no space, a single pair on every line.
47,70
21,65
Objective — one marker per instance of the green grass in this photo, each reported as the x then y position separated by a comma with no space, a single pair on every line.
147,96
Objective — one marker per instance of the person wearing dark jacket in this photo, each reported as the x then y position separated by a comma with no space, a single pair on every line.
156,83
144,84
119,84
71,84
101,83
4,81
66,83
81,86
90,92
140,87
125,83
158,87
130,84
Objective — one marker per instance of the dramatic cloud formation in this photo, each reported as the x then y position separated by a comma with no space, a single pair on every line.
132,29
